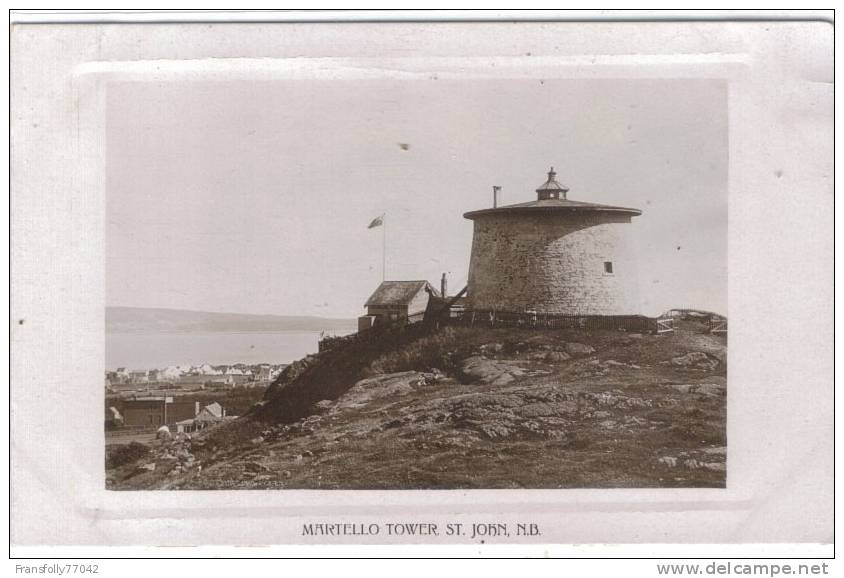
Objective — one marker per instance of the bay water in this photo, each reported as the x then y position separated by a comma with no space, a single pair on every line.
142,350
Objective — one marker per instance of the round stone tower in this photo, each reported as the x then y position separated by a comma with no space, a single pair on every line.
553,255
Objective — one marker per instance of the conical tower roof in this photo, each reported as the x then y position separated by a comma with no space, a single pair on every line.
551,198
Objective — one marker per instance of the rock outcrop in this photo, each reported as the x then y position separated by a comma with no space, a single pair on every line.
468,408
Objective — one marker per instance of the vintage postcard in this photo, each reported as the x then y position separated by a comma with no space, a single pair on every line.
301,303
428,282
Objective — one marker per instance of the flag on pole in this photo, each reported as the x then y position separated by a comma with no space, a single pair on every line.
379,222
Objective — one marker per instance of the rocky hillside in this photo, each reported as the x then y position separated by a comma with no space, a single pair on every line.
470,408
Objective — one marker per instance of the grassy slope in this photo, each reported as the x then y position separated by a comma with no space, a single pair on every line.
574,423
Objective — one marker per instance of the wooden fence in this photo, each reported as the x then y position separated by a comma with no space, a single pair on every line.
715,322
635,323
131,430
718,325
664,324
527,319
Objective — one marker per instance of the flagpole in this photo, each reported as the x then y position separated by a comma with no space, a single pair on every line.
383,248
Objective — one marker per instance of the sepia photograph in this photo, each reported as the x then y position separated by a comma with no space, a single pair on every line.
387,285
528,283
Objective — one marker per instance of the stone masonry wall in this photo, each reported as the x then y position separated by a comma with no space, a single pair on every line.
553,263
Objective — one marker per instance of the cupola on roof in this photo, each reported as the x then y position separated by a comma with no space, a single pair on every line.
551,189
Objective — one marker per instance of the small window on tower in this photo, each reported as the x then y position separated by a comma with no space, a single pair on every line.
608,267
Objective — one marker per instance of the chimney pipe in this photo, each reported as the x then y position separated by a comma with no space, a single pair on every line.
495,192
444,285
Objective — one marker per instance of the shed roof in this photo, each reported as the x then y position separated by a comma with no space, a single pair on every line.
215,409
398,292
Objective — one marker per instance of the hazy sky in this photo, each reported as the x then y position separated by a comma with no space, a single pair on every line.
254,197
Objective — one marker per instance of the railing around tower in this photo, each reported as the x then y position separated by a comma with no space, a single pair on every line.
635,323
525,319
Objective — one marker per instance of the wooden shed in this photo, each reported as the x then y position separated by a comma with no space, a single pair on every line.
397,302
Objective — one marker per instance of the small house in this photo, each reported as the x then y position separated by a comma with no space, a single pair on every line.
206,369
238,376
139,376
397,302
263,373
192,381
219,381
171,373
211,414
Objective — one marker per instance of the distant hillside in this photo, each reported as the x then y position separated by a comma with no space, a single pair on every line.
142,320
